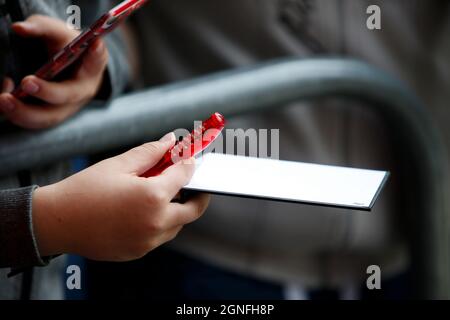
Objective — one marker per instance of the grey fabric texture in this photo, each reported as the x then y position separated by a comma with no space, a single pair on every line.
289,243
17,244
17,241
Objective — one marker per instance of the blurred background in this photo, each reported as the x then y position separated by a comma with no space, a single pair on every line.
249,249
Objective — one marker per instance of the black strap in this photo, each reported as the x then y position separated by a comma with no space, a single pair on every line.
27,285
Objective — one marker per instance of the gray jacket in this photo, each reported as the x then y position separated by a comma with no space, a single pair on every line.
291,243
17,242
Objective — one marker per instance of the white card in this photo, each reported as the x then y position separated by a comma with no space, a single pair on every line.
288,181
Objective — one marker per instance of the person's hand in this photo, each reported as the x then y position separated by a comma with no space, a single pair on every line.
109,213
62,99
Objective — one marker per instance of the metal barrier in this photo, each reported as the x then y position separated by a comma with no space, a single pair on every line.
140,116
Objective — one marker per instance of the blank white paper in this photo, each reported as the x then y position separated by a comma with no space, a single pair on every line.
287,181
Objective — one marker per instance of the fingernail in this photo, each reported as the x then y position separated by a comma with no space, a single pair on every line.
6,105
24,25
30,87
170,137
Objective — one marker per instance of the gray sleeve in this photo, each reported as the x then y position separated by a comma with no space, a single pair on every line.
118,73
18,247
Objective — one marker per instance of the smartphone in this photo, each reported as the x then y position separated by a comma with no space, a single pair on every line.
74,50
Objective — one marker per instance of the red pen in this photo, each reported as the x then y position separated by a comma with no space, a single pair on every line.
191,145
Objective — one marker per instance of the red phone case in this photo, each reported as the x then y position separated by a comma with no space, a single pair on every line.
192,145
73,51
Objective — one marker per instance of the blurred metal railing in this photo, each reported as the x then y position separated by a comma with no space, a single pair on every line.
145,115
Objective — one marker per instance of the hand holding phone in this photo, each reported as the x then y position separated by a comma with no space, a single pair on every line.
59,100
53,101
74,50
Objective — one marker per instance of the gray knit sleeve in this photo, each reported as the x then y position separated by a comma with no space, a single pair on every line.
118,72
18,247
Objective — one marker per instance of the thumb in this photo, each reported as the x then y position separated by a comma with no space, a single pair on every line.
141,159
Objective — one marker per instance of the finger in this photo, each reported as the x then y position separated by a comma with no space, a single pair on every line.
8,85
175,178
81,88
51,29
95,61
6,103
31,116
58,93
169,235
182,214
141,159
178,197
